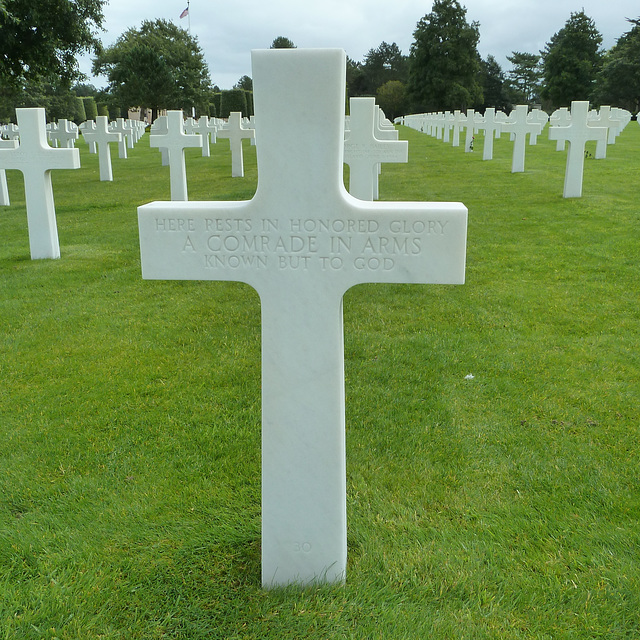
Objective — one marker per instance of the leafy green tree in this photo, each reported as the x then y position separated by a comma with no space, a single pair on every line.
159,66
392,98
356,81
444,60
245,83
524,77
41,38
618,82
381,65
571,61
282,43
52,94
233,100
494,84
90,107
80,114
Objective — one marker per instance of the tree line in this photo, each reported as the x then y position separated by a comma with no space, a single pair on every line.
161,66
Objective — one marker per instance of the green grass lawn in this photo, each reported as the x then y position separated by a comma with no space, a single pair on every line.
503,506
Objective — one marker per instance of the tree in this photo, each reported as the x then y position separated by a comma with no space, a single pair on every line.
42,39
159,66
571,61
52,94
233,100
444,60
524,77
392,99
494,85
618,82
282,43
381,65
245,83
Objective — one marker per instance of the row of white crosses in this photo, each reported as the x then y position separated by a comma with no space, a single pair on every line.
29,152
519,123
576,126
369,142
172,135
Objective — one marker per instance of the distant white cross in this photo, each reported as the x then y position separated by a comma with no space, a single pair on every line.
236,133
101,136
519,127
576,134
363,152
4,189
175,140
201,127
458,121
490,125
122,127
36,159
560,118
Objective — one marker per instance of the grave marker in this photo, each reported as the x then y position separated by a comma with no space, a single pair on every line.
363,152
201,127
175,140
458,121
236,133
101,136
560,118
4,189
64,134
490,125
36,159
519,127
87,127
301,242
121,127
576,134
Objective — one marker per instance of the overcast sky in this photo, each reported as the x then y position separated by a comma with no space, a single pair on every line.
228,30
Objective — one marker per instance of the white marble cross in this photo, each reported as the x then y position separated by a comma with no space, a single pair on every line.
576,134
35,158
122,127
301,242
447,125
201,127
470,128
605,118
175,140
519,127
159,128
490,125
458,121
236,133
87,127
101,136
4,189
540,117
363,152
11,131
560,118
65,134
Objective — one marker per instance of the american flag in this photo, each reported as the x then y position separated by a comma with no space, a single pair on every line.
185,13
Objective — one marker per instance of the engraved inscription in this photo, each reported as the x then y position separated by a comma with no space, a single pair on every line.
301,243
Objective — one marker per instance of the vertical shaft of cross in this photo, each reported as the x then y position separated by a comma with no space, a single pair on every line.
304,530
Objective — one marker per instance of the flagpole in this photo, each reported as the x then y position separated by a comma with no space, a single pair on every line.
189,17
